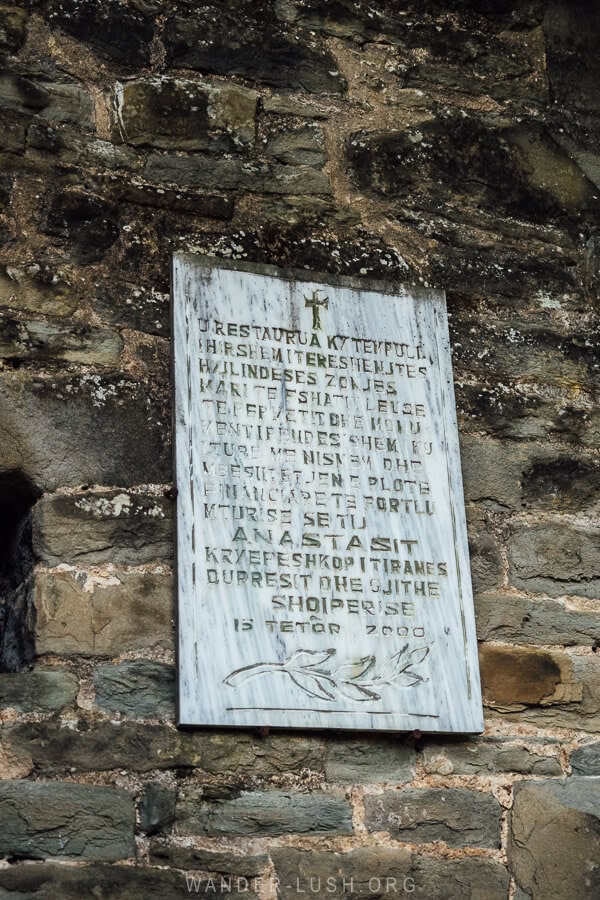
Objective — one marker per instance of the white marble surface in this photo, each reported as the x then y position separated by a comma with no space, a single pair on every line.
323,572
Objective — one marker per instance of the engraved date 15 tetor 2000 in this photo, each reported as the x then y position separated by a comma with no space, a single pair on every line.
319,675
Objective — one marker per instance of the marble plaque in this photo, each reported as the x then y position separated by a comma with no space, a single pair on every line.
323,571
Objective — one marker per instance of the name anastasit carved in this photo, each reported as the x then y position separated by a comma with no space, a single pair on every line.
321,544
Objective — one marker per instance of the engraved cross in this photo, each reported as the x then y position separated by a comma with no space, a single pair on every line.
315,303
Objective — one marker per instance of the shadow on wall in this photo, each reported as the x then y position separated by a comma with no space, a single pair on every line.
17,497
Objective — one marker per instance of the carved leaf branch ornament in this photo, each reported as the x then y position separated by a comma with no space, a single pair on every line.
319,675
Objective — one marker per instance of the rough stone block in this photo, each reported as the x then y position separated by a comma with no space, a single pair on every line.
12,136
199,204
244,39
80,615
339,875
525,675
226,864
184,114
36,288
537,352
43,690
303,146
61,102
276,754
562,484
461,879
369,762
232,174
112,526
586,760
122,32
554,842
487,569
143,307
87,225
556,559
49,882
139,688
44,340
509,413
455,46
157,808
516,169
460,817
73,416
492,471
263,812
75,821
102,746
572,53
508,618
382,872
486,757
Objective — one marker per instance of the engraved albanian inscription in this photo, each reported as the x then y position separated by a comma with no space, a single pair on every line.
304,491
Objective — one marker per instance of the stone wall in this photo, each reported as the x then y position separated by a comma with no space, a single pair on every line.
450,143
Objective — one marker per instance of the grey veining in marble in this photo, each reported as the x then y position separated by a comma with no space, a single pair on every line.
323,571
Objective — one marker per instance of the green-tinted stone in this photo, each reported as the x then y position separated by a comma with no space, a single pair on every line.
44,690
266,812
140,688
157,808
461,818
74,821
369,762
556,559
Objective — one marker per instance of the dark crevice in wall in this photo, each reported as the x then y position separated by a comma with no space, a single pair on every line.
17,616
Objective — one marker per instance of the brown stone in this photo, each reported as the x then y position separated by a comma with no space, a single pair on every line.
580,709
80,615
554,844
36,289
13,21
512,675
